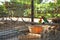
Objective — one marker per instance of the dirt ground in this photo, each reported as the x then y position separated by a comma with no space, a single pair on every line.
6,25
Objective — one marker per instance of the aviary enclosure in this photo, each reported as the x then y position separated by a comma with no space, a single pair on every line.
29,20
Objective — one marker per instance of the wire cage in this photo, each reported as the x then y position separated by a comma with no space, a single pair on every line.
14,27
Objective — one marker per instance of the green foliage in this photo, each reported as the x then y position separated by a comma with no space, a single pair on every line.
46,9
58,1
39,8
2,11
27,12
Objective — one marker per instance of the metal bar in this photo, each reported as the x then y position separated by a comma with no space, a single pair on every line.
32,11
